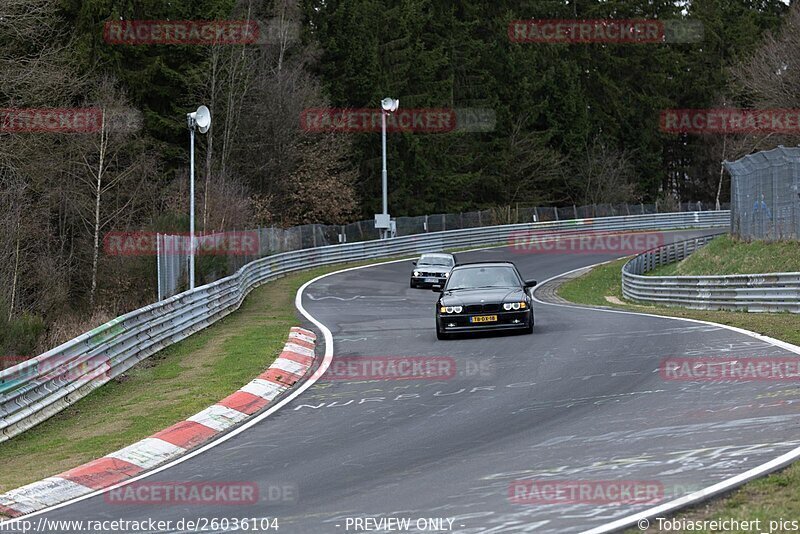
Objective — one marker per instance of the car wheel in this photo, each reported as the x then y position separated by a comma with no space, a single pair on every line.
412,285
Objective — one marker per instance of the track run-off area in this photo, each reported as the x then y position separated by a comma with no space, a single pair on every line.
581,399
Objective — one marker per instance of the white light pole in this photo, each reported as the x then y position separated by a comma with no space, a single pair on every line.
389,105
201,119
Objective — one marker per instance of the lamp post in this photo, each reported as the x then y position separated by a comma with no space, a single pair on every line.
200,119
388,105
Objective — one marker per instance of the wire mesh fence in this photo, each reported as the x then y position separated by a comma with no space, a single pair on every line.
173,264
765,199
173,269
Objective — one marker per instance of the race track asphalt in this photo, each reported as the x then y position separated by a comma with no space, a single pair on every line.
579,399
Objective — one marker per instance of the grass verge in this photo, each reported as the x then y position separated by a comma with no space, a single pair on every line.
168,387
726,255
770,498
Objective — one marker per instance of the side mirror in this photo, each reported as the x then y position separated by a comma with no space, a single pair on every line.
530,283
413,262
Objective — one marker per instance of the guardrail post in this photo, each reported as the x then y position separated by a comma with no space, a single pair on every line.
158,265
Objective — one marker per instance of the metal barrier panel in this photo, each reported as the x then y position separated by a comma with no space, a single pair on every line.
770,292
174,271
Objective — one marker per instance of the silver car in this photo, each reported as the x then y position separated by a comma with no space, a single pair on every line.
432,269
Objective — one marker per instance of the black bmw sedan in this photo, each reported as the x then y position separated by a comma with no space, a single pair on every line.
487,296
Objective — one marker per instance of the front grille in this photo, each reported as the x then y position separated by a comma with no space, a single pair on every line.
431,275
481,308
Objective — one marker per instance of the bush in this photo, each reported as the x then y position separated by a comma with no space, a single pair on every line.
20,335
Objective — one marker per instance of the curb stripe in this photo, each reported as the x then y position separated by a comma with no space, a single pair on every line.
186,434
301,342
280,377
306,361
101,473
264,389
299,349
10,512
303,331
298,336
218,417
290,367
244,402
44,493
148,452
172,442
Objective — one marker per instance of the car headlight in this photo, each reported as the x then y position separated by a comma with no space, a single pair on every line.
451,309
416,273
446,275
508,306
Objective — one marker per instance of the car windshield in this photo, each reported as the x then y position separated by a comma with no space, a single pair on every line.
438,261
476,277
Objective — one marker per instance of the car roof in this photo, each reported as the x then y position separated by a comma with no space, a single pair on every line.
498,263
437,255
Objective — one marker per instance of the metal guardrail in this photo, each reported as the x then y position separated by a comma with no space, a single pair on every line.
173,268
35,390
771,292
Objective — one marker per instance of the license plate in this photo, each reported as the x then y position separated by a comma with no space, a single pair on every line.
431,280
483,319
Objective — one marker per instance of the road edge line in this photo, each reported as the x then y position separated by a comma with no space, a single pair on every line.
639,518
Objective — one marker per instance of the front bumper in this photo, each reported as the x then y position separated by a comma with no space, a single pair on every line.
421,281
506,320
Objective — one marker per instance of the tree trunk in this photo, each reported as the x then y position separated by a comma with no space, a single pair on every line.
98,194
15,276
721,171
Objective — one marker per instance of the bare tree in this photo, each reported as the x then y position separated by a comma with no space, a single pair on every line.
770,78
34,55
605,175
532,166
106,165
321,188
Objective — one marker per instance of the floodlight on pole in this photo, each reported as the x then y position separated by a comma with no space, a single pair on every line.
201,120
389,105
